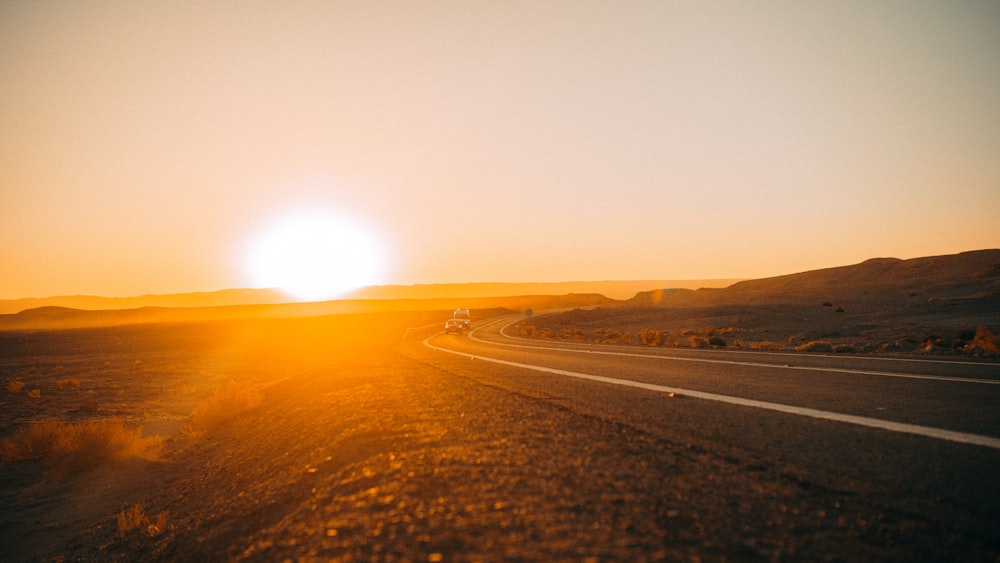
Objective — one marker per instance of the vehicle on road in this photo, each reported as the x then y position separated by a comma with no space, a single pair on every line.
456,325
464,316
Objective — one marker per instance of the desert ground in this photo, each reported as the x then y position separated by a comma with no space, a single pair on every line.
340,437
330,438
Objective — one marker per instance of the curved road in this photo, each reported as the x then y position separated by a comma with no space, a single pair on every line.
949,400
915,444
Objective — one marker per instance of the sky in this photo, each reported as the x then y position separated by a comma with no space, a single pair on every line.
149,147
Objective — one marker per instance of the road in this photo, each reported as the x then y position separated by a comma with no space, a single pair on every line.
916,442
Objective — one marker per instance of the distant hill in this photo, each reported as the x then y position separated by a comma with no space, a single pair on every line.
221,298
968,275
612,289
53,318
231,297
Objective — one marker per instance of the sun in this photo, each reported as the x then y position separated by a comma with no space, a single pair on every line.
314,255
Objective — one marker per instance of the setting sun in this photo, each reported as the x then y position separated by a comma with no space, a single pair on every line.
314,255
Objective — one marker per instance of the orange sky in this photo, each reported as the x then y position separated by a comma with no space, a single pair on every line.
144,146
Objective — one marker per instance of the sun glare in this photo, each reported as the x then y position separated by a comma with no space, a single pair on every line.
314,255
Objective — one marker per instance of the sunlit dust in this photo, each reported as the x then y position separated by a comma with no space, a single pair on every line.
314,255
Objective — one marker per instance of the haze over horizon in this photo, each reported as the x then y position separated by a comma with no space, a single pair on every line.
174,148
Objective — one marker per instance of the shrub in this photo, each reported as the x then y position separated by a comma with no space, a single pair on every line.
78,445
699,342
844,349
765,345
134,517
71,383
651,337
529,330
223,405
35,393
15,387
815,346
985,340
717,342
572,334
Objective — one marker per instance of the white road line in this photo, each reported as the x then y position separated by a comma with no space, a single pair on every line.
735,362
927,431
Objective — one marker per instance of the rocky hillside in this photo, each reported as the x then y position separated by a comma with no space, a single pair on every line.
969,275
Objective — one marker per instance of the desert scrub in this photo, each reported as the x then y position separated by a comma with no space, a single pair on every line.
765,345
14,387
68,383
651,337
611,336
224,404
78,445
985,340
699,342
133,517
573,334
820,346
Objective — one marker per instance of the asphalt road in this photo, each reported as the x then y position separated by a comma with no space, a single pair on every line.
917,442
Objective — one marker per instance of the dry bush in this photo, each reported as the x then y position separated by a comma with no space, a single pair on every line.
225,404
985,340
611,336
15,387
35,393
651,337
717,342
132,517
70,383
765,345
78,445
820,346
529,330
699,342
573,334
844,349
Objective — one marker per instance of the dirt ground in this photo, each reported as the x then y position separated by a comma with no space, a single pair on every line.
153,377
360,450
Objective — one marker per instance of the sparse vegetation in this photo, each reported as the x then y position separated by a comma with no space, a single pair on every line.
764,345
224,404
133,517
651,337
985,340
78,445
14,387
699,342
68,383
817,346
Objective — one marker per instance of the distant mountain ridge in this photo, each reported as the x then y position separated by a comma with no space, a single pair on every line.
54,317
232,297
222,298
